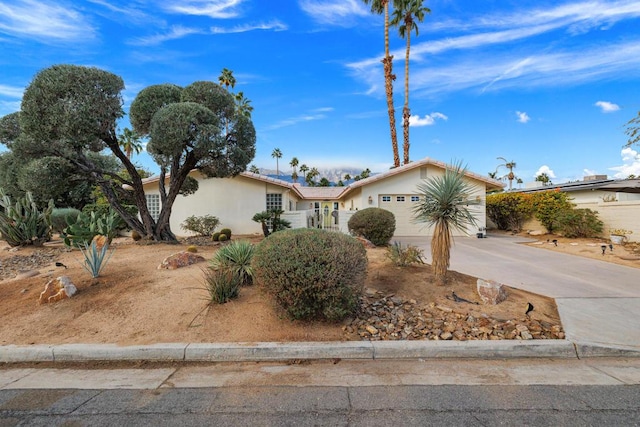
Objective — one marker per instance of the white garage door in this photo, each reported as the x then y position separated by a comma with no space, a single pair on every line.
401,206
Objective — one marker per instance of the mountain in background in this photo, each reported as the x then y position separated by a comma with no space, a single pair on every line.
333,175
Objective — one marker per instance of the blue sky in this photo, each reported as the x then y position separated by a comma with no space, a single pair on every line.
548,84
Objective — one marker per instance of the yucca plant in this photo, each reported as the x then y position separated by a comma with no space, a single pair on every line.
445,206
22,223
235,257
222,285
95,257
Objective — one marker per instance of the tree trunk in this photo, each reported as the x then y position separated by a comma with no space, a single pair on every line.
405,112
388,84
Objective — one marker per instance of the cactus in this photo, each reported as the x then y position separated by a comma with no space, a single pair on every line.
87,226
22,223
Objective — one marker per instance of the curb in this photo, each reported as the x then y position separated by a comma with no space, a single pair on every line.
274,351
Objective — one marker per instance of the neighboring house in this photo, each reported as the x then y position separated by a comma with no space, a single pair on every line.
616,201
235,200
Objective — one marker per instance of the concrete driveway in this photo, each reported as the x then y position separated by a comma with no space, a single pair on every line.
598,302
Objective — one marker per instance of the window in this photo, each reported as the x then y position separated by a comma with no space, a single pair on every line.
153,204
274,201
386,198
399,198
415,198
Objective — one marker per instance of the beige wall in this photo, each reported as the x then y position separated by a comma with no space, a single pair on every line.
233,200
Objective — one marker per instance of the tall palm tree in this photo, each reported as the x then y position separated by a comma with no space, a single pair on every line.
511,166
277,154
378,7
130,142
243,105
310,178
304,168
347,177
444,204
405,15
294,164
254,169
226,78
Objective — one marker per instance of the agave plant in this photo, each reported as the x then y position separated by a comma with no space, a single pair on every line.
445,206
235,257
222,285
22,223
96,256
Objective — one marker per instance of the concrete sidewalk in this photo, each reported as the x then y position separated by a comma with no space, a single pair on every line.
598,303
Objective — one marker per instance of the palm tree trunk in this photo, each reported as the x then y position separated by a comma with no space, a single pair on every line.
406,114
388,80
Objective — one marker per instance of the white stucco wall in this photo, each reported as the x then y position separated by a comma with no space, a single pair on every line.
233,200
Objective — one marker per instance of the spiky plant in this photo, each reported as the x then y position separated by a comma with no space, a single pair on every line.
445,206
235,257
96,256
222,285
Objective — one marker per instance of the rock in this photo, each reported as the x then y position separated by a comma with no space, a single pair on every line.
180,259
57,289
491,292
446,336
536,233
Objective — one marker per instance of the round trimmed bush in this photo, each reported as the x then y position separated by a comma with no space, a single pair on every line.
374,224
312,273
222,238
226,232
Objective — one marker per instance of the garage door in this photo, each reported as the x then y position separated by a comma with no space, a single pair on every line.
401,206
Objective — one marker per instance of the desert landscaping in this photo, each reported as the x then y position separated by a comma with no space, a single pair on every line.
134,302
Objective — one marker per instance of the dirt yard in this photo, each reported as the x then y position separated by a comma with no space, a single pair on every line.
133,302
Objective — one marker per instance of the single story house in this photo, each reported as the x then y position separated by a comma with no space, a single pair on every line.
235,200
616,201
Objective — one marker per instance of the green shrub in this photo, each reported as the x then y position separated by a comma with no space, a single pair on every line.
103,210
62,217
90,224
222,238
374,224
236,257
271,219
222,285
215,237
579,223
22,223
201,225
226,232
192,249
548,206
312,273
509,211
403,257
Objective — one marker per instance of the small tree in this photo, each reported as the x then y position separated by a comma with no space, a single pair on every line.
445,206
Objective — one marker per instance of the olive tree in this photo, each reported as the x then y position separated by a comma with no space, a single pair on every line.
71,112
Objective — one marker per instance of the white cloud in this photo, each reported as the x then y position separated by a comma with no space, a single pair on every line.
317,114
176,32
334,12
11,91
589,172
427,120
630,164
522,117
44,21
607,107
545,169
273,25
219,9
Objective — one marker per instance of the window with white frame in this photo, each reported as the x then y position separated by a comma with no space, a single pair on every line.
399,198
274,201
386,198
415,198
153,204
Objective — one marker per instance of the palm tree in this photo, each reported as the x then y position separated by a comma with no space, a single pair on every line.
493,175
294,176
404,17
310,178
378,7
347,177
304,168
226,78
130,142
294,164
243,105
365,173
509,165
254,169
544,179
445,206
277,154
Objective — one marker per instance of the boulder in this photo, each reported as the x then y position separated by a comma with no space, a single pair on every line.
57,289
180,259
491,292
